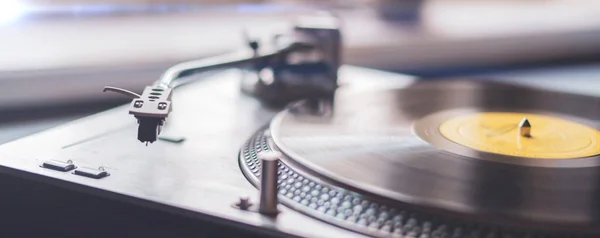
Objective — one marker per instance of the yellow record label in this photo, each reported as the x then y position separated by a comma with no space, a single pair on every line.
544,137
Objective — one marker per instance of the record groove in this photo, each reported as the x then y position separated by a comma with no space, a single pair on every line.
375,143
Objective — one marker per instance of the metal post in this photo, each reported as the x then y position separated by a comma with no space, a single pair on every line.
268,183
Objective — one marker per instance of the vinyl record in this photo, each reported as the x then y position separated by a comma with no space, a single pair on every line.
458,147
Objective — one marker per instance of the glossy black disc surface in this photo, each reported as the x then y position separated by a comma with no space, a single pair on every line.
371,142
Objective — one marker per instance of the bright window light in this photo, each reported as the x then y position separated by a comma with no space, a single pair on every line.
11,10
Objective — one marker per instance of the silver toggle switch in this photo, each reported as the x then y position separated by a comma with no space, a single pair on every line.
268,182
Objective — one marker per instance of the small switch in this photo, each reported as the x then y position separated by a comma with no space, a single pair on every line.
58,165
91,173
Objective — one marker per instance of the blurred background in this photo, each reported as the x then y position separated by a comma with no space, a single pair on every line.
56,55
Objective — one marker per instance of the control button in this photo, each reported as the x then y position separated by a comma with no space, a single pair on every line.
58,165
91,173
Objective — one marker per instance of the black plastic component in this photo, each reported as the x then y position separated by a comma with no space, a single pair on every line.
58,165
91,173
148,129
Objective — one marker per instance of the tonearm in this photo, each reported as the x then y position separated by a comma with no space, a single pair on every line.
297,64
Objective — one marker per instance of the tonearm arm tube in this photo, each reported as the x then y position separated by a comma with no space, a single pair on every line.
243,59
311,46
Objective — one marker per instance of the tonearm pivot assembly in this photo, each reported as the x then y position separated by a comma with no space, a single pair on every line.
301,63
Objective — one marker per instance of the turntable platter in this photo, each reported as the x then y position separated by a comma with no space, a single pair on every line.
415,146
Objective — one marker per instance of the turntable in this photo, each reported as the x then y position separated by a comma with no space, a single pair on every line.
354,152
